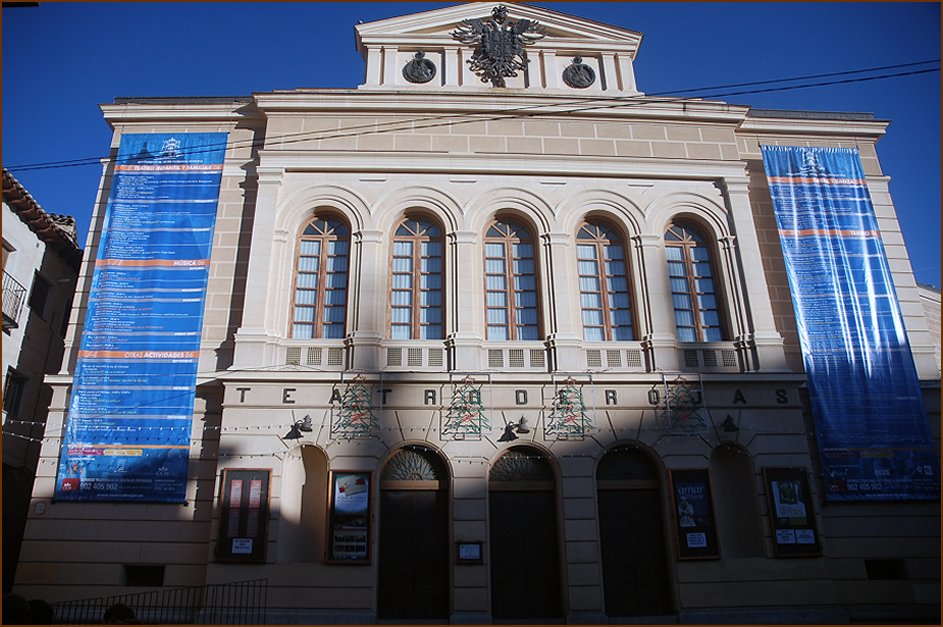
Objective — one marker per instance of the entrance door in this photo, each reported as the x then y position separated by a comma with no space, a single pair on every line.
632,536
525,565
414,537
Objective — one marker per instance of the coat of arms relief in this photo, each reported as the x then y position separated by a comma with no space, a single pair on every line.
499,44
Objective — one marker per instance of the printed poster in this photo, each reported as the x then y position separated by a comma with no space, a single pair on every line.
128,427
873,434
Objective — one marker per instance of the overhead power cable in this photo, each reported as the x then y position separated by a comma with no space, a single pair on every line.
551,108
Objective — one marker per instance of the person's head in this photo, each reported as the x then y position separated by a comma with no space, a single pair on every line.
42,612
118,614
16,610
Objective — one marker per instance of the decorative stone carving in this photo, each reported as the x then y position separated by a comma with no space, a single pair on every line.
499,44
419,69
579,75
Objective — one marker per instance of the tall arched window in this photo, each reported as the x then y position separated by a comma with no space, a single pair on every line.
510,282
693,293
416,285
320,295
604,284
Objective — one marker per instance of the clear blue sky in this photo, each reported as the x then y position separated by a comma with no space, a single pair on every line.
60,60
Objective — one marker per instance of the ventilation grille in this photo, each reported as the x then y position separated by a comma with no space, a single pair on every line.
313,356
615,359
495,358
516,358
421,357
719,359
335,357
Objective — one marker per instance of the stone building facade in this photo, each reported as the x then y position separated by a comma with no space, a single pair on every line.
40,267
471,301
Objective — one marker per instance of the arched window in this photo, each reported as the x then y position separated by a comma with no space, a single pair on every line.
604,284
693,293
320,295
510,282
416,284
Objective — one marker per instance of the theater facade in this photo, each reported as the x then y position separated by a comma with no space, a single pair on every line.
493,337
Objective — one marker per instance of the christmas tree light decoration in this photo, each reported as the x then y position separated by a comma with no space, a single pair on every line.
568,419
465,418
357,415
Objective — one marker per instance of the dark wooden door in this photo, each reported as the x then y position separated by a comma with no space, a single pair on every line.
634,560
414,554
525,567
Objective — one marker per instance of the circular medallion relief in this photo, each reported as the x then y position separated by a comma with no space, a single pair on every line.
578,74
419,69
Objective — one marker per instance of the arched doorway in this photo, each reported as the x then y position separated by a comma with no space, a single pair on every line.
524,538
414,536
632,535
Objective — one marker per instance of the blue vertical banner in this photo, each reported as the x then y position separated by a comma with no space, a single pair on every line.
873,434
128,427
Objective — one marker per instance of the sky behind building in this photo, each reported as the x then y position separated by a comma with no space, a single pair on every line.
61,60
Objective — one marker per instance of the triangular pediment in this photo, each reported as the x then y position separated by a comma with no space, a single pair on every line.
439,24
421,52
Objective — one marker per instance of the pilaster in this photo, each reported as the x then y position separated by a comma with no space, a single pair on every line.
653,311
747,279
254,341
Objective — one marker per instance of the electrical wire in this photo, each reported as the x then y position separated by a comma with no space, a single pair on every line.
609,102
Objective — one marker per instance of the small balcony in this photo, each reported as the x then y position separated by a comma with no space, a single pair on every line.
14,295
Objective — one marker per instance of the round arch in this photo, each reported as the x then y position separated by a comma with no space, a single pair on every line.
509,201
524,536
603,203
390,208
413,546
633,544
297,208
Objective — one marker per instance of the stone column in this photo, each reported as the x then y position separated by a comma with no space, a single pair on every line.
626,73
366,299
464,301
610,76
655,307
559,303
452,68
581,545
255,339
551,74
389,65
759,332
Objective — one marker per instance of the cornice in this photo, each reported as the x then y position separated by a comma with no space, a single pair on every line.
813,126
169,110
498,164
517,102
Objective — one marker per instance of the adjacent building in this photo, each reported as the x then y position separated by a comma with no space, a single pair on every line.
483,339
40,266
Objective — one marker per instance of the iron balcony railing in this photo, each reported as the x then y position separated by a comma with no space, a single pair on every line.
236,603
14,295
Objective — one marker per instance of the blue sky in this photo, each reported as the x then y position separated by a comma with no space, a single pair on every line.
61,60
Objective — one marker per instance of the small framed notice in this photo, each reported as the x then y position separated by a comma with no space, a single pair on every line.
790,512
695,528
349,524
469,552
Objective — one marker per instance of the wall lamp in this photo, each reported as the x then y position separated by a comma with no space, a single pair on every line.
511,430
297,427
